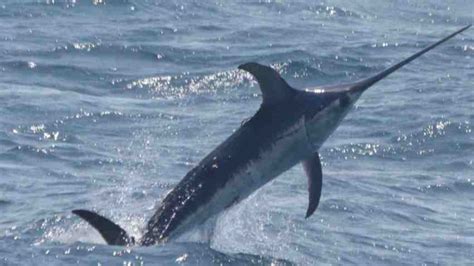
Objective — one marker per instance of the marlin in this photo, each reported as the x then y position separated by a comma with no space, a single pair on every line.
289,127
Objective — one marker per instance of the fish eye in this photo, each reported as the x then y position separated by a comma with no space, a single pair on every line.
344,101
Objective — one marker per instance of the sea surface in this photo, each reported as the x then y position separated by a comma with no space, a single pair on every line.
106,104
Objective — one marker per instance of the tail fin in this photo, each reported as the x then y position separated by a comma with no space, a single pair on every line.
364,84
111,232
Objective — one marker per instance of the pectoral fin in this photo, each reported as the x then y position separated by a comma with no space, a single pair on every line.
312,167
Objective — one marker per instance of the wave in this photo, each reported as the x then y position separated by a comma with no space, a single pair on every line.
58,240
333,11
299,7
451,187
21,152
73,3
66,77
4,202
445,135
187,84
99,49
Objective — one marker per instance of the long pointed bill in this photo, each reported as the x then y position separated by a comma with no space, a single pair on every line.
366,83
338,100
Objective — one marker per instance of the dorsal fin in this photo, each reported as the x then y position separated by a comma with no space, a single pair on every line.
274,88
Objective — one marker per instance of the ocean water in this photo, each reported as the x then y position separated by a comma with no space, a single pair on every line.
106,104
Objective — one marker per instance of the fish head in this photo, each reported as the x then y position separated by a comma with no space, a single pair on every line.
325,107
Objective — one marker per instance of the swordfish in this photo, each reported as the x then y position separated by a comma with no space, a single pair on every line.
289,127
